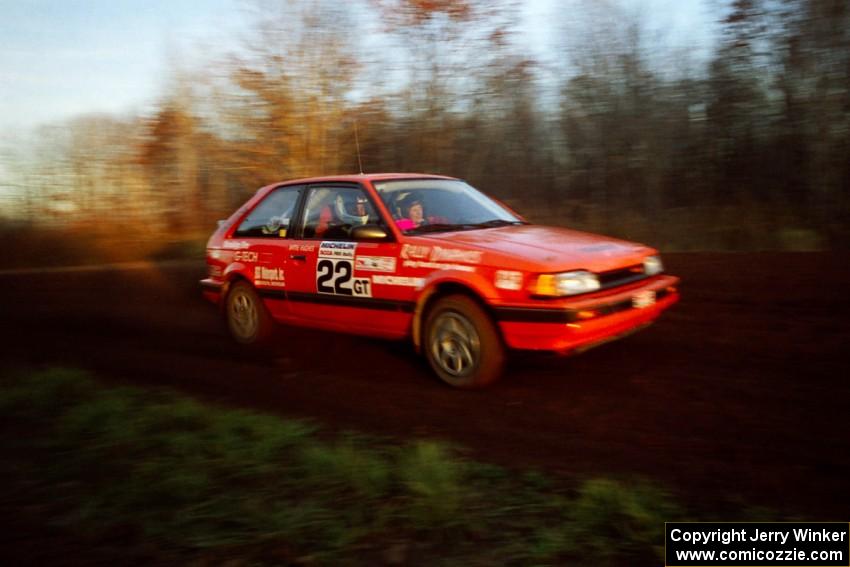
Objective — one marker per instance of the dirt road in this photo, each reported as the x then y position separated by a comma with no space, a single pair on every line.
740,392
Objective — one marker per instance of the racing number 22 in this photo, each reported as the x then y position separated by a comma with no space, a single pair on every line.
334,276
332,279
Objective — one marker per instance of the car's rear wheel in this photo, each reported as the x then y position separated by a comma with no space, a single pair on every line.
247,318
462,344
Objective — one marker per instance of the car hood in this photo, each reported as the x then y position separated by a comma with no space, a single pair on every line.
543,248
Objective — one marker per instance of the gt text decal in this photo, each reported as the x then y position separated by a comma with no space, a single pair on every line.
375,263
334,276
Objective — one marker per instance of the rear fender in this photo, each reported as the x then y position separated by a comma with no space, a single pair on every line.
233,273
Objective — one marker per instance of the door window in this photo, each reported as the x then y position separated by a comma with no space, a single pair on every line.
332,212
272,217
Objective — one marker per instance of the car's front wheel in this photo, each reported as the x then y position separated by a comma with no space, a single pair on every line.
462,344
247,318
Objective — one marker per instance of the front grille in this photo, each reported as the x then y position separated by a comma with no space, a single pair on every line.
626,304
612,308
622,276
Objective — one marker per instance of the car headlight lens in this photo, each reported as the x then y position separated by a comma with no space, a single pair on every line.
652,265
567,283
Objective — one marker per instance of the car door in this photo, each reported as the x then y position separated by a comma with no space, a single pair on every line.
331,274
260,247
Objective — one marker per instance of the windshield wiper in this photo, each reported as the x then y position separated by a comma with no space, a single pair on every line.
437,227
498,222
446,227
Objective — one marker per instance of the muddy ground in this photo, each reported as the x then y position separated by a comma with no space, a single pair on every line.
738,395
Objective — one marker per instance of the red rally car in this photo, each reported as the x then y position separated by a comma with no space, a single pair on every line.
428,258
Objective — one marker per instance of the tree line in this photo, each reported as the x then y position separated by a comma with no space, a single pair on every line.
748,149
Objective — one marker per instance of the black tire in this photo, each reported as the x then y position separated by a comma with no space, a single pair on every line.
248,320
462,344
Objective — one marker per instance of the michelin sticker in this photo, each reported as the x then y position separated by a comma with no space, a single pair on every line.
375,263
337,250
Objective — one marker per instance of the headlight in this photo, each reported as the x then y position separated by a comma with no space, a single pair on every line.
567,283
652,265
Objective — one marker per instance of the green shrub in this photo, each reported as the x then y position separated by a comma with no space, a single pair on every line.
201,479
435,484
618,523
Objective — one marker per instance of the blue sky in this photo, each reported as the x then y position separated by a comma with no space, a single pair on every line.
62,58
65,57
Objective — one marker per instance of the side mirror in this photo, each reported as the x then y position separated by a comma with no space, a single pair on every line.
369,232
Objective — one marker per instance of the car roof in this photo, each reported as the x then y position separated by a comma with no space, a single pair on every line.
356,177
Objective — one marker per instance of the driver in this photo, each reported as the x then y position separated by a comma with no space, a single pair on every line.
351,209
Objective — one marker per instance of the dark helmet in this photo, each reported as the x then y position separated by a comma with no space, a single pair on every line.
409,200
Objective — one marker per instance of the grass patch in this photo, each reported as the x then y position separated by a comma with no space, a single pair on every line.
203,483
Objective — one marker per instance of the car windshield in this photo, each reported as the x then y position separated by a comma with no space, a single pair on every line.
419,206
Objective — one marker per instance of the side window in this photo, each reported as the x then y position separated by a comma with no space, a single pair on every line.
332,212
272,216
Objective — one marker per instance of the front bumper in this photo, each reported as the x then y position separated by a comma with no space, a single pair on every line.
578,324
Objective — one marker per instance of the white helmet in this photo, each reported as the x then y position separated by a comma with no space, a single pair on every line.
346,209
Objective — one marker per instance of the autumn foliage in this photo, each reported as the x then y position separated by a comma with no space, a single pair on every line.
616,131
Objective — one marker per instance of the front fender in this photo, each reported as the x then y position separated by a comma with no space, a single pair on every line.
475,282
